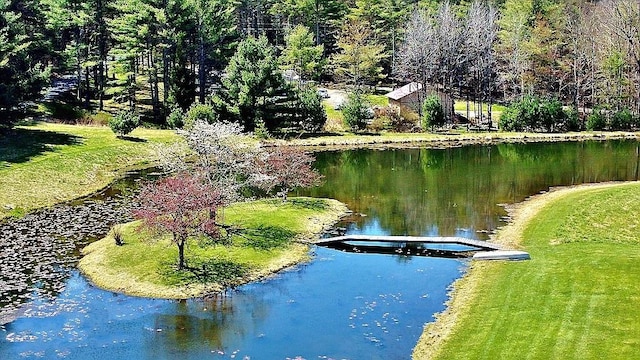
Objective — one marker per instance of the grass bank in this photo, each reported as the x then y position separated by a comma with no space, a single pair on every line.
452,138
576,299
273,238
47,163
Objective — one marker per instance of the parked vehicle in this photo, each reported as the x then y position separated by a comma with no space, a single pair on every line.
323,93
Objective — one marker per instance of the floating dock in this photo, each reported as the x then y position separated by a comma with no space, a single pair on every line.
486,250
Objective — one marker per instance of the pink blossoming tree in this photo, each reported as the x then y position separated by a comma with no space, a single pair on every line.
182,205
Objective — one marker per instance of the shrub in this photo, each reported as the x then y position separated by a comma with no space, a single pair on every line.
432,113
380,123
531,114
175,120
117,234
596,120
551,114
572,122
261,131
124,122
197,111
409,119
356,111
510,119
313,116
622,120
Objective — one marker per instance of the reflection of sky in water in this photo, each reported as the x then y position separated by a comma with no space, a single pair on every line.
340,306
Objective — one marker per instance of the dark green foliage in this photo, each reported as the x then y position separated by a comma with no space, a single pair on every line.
254,89
310,113
64,111
597,121
23,53
551,115
356,111
175,120
535,114
529,109
124,122
197,111
510,120
432,113
183,88
573,120
622,120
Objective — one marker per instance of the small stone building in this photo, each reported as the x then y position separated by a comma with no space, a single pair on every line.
411,96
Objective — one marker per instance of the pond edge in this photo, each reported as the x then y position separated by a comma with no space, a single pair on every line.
464,290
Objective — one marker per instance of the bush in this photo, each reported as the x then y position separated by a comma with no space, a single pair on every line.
313,116
510,119
572,122
596,121
529,112
408,118
197,111
533,114
432,113
551,115
175,120
124,122
356,111
380,123
117,234
622,120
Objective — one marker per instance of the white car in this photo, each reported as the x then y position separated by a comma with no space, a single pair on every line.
323,93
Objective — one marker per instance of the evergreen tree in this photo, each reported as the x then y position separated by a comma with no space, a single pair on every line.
254,90
301,55
24,51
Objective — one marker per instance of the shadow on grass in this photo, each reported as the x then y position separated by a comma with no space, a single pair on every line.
20,145
309,203
226,273
132,139
268,237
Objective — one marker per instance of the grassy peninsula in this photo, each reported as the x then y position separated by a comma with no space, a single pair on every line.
272,237
46,163
576,299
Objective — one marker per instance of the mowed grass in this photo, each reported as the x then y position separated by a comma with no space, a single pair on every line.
47,163
576,299
271,238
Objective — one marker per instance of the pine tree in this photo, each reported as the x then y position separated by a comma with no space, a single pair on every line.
24,51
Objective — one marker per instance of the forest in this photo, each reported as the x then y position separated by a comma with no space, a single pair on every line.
161,58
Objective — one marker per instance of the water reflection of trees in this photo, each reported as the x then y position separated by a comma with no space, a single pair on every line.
410,191
211,324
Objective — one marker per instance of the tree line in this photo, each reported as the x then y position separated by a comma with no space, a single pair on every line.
164,55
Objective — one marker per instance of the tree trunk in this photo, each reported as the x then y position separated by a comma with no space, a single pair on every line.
181,241
201,63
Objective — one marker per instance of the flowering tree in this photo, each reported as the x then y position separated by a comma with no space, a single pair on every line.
183,205
284,169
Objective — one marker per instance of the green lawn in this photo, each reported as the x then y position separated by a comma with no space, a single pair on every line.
576,299
48,163
145,266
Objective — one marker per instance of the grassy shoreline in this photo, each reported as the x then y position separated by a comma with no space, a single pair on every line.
434,140
50,163
145,267
574,299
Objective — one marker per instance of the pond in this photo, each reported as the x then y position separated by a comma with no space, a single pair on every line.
341,305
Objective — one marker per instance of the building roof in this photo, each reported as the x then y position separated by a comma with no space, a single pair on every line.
401,92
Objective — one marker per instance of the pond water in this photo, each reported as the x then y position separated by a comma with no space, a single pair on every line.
341,305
